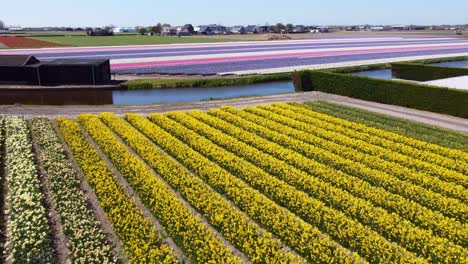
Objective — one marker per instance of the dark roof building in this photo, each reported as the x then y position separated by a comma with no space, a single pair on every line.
238,30
251,29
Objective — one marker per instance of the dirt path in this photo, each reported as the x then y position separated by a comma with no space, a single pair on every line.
444,121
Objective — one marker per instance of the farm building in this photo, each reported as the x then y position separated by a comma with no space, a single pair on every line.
203,30
252,29
218,29
187,28
266,29
299,29
27,70
313,29
124,30
169,31
238,30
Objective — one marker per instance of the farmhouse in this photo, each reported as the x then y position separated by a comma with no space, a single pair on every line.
218,29
124,30
266,29
169,31
238,30
252,29
299,29
204,30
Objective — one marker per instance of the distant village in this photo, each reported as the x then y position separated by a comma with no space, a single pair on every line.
215,29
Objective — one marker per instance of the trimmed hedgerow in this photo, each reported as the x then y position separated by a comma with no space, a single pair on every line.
412,95
423,73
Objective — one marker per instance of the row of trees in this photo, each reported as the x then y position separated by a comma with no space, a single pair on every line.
281,28
157,30
154,30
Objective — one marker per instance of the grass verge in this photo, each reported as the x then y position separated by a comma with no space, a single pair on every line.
213,82
120,40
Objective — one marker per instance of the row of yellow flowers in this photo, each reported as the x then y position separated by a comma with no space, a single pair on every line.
141,242
199,243
28,237
303,132
259,246
432,158
350,233
415,143
318,138
448,206
402,232
86,240
294,136
339,135
297,234
421,216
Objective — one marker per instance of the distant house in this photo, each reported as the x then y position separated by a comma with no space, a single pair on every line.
314,29
169,31
251,29
203,30
324,29
15,28
398,27
238,30
440,28
266,29
188,28
377,28
218,29
299,29
107,31
124,30
415,27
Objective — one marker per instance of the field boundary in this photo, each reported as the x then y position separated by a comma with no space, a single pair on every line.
444,121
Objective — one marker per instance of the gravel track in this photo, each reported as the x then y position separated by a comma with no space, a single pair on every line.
444,121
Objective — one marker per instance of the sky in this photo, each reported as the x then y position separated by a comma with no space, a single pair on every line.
73,13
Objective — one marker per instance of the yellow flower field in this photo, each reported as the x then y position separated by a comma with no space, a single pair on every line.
277,183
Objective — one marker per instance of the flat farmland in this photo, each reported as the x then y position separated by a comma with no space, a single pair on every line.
276,183
259,57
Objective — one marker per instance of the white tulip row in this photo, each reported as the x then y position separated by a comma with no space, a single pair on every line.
85,238
28,234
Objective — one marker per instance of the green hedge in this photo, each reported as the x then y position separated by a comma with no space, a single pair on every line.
412,95
423,73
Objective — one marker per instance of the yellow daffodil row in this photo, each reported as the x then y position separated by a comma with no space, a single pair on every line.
420,241
28,238
139,237
421,216
334,132
419,144
420,178
365,242
432,158
297,234
435,201
86,240
199,242
259,246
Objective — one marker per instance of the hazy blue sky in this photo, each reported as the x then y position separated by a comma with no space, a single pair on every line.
147,12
